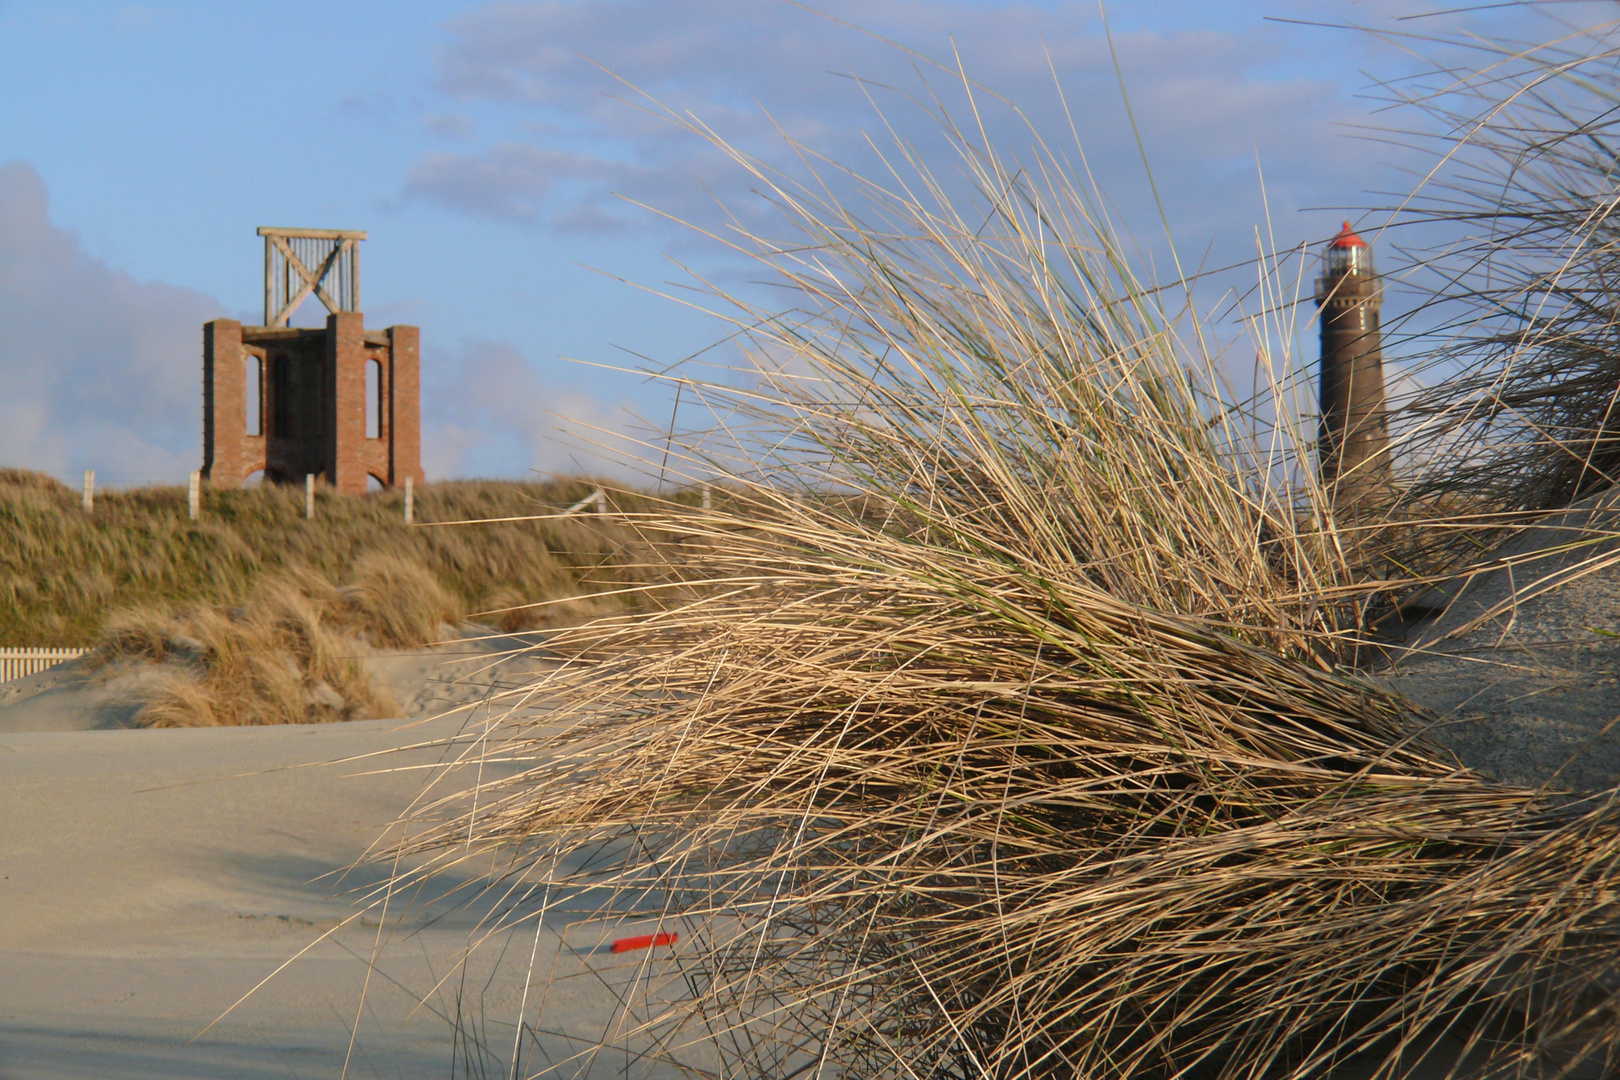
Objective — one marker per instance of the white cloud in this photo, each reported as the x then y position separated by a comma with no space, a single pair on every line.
98,370
510,181
457,126
1217,91
486,411
582,146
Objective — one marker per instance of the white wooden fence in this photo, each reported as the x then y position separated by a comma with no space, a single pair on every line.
18,663
596,501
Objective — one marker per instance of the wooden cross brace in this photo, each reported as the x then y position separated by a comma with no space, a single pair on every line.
311,280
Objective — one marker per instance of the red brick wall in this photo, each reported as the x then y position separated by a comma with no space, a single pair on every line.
224,393
313,402
344,402
404,382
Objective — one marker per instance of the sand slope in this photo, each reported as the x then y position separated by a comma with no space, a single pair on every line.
1523,666
150,878
147,884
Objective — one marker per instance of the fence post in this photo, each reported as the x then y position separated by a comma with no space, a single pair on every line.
410,500
194,495
309,495
601,501
707,504
89,490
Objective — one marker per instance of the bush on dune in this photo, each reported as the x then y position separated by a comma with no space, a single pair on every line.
140,633
396,603
27,480
289,656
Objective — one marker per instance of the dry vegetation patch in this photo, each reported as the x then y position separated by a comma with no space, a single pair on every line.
138,548
290,655
1057,766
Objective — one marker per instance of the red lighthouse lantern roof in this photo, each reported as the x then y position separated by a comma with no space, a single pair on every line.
1347,239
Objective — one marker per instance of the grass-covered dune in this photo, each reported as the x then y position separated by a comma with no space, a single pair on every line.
63,571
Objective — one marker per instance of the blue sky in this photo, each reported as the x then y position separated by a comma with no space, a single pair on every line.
491,153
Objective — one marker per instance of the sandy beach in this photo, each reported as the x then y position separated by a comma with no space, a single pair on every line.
151,878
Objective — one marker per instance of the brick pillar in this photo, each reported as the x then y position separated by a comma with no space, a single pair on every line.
405,405
224,403
344,401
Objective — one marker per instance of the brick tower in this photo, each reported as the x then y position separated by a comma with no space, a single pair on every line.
339,401
1353,440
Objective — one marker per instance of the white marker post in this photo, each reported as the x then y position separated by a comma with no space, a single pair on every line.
410,500
309,495
194,495
89,490
707,502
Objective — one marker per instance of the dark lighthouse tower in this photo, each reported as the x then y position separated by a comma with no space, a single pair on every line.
1353,442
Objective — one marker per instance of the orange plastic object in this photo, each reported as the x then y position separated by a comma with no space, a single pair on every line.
644,941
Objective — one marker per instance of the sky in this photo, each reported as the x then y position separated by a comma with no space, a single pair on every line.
530,209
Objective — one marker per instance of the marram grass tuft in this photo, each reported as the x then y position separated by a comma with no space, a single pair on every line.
1000,727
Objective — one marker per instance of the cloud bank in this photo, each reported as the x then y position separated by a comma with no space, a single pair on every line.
486,411
100,371
591,144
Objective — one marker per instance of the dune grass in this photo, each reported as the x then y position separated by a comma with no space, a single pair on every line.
288,656
1011,728
922,812
1520,267
138,548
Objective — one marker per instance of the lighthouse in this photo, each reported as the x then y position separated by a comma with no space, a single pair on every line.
1353,440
